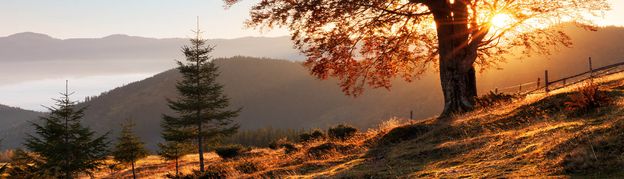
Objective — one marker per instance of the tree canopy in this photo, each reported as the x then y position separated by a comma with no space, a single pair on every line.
370,42
373,42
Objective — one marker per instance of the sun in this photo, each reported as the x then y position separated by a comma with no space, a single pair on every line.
501,21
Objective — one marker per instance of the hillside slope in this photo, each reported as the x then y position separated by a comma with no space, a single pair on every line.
12,123
533,136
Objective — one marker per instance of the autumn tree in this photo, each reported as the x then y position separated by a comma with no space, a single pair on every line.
372,42
129,147
201,108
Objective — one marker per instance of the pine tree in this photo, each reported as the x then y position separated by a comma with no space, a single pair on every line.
174,151
129,147
66,147
201,107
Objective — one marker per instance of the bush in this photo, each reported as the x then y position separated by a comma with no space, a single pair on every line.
5,156
249,167
588,98
277,144
493,99
341,132
328,148
403,133
312,136
230,151
283,143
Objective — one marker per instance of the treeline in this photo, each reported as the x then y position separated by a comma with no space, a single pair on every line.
262,137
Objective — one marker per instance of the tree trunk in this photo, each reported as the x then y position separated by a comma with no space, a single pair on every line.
457,56
200,145
198,113
177,166
133,174
459,88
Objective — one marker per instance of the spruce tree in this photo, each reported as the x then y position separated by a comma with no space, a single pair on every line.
129,147
65,146
201,106
174,151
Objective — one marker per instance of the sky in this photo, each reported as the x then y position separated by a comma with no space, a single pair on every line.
149,18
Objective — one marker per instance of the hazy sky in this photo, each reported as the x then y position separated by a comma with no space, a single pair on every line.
149,18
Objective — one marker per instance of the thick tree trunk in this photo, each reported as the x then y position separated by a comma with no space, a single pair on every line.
457,56
459,88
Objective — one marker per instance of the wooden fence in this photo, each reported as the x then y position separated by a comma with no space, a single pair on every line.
537,87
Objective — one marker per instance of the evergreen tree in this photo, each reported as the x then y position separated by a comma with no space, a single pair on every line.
66,147
174,151
201,107
129,147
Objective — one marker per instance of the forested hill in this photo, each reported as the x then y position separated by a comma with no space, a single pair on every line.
12,120
275,93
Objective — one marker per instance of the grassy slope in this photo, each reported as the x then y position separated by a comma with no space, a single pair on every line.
534,136
531,137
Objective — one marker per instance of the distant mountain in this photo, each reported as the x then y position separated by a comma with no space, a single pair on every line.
115,54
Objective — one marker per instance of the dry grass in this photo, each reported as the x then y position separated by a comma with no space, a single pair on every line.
530,137
155,167
265,162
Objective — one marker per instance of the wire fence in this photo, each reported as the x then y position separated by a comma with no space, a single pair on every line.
548,85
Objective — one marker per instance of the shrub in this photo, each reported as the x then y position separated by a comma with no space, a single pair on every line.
230,151
328,148
277,144
588,98
283,143
403,133
341,132
248,167
6,156
493,99
312,136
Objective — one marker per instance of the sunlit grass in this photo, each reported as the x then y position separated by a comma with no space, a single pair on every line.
519,139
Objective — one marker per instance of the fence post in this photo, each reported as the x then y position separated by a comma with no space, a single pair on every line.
591,69
496,90
411,114
520,90
546,81
538,82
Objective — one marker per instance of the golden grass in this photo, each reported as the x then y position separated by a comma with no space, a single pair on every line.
526,138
